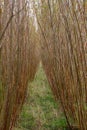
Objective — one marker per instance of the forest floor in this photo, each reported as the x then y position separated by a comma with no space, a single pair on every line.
40,111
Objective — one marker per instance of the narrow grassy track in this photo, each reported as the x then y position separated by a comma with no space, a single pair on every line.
40,111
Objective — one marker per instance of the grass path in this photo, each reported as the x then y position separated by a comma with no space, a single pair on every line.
40,111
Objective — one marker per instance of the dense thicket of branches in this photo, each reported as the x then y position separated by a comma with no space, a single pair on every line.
19,54
61,28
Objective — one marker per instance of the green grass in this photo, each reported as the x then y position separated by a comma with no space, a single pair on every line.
40,111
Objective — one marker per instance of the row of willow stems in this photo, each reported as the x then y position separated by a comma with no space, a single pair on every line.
19,59
63,33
